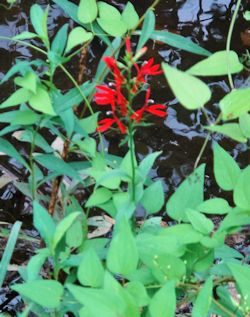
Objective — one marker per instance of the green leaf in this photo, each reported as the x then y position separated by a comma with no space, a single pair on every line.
153,197
226,170
39,21
89,124
51,162
47,293
138,292
75,235
200,222
179,41
25,36
204,299
191,92
78,36
231,130
189,194
99,302
107,11
236,218
8,250
87,11
163,303
90,272
217,64
112,27
214,206
183,233
99,196
130,16
147,163
35,264
60,40
247,15
147,29
63,227
9,150
18,97
41,102
244,122
29,81
236,103
122,256
241,273
242,190
44,223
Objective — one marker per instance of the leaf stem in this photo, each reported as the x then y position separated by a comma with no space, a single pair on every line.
228,44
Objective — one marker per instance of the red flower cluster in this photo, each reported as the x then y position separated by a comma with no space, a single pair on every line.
116,99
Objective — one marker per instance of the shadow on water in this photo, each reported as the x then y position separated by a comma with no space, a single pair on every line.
180,137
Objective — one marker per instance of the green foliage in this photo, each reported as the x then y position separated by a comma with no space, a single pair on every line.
109,266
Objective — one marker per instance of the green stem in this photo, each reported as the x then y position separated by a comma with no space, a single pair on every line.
224,309
132,158
32,166
229,38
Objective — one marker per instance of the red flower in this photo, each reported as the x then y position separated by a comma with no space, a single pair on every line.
105,124
112,65
105,96
147,68
128,45
157,109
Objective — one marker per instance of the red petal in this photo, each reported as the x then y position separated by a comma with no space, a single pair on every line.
105,124
158,110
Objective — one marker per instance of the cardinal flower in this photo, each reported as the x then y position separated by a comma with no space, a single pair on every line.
158,110
148,68
106,124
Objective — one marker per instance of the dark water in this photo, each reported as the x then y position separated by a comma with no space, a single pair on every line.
180,136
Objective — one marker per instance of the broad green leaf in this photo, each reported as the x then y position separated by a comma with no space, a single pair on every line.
217,64
153,198
99,196
25,36
204,299
18,97
8,250
113,27
29,81
236,103
122,255
226,170
189,194
138,291
78,36
90,271
87,11
107,11
75,234
51,162
63,227
200,222
163,303
147,163
89,124
236,218
244,122
44,223
231,130
147,29
27,135
242,190
149,246
183,233
39,21
60,40
41,102
130,16
8,149
191,92
19,117
35,264
179,41
214,206
241,273
47,293
99,302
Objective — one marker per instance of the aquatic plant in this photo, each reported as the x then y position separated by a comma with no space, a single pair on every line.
140,268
